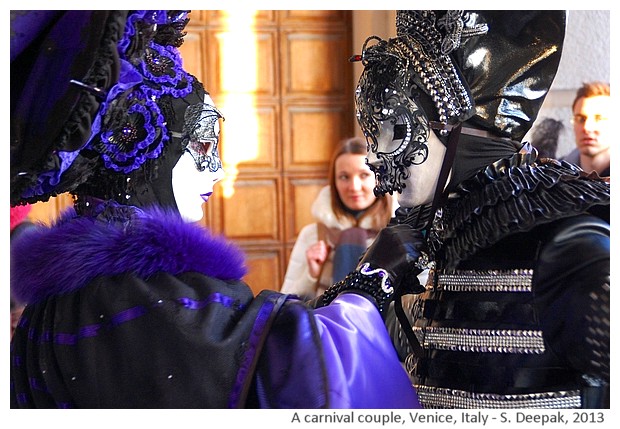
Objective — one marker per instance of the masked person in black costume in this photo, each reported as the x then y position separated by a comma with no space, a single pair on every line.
516,310
129,303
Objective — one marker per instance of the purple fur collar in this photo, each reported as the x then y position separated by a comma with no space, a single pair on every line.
49,261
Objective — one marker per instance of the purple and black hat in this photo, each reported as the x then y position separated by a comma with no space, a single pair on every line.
93,100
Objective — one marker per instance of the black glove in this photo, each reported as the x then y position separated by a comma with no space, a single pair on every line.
396,249
389,260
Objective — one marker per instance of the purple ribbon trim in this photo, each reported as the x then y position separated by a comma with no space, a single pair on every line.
89,331
218,298
93,330
17,361
37,385
66,339
248,357
23,321
127,315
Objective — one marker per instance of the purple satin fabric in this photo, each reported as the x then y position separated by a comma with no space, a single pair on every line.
362,365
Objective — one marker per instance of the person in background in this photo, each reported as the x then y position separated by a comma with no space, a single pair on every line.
348,216
545,137
129,302
593,129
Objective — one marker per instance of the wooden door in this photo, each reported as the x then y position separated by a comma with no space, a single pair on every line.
284,85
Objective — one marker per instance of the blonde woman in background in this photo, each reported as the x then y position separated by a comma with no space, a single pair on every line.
348,216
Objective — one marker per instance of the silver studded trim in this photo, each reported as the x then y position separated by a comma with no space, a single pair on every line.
519,280
481,340
435,397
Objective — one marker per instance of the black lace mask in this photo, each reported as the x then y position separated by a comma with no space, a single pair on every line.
396,128
201,136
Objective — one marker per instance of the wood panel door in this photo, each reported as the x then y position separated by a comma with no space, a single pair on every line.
284,85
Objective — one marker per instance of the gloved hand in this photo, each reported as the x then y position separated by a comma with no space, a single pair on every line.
396,249
390,260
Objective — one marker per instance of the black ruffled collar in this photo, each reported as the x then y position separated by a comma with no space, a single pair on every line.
512,195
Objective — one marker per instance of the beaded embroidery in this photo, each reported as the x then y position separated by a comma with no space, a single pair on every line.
435,397
518,280
374,282
481,340
421,52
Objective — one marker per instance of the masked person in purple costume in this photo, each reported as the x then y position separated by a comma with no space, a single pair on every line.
129,303
515,313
